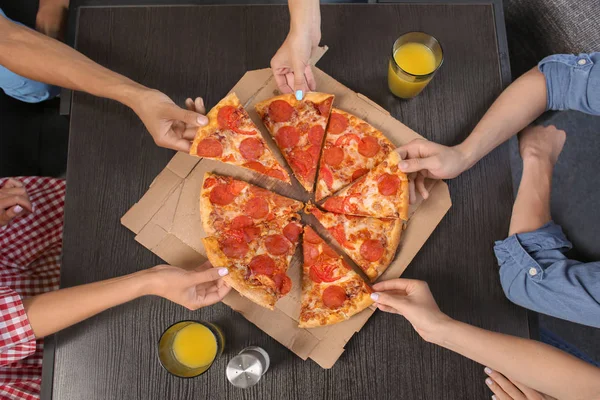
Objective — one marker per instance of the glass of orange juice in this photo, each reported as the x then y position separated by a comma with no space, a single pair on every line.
416,56
188,348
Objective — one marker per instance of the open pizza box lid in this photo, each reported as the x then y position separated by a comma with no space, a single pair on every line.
166,220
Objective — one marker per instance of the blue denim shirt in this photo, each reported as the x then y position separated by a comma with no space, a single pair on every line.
572,82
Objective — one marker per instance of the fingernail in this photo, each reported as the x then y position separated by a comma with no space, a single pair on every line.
494,397
299,94
489,382
403,165
202,120
18,209
487,370
223,271
375,296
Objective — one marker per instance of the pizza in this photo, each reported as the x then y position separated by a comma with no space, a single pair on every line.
381,193
331,291
352,148
370,242
298,128
233,138
253,232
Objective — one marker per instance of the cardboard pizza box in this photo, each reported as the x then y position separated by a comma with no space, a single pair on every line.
166,220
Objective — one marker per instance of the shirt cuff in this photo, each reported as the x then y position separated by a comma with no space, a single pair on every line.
17,340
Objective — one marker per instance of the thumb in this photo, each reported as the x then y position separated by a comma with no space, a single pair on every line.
209,275
14,211
187,116
300,85
417,164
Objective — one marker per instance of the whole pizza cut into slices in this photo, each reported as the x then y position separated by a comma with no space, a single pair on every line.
381,193
331,291
370,242
252,232
298,128
352,148
232,137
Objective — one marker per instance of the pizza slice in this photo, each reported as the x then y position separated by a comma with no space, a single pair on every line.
331,291
227,202
298,128
381,193
258,262
232,137
370,242
352,148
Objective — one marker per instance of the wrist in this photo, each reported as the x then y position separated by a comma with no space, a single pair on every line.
467,155
130,93
439,332
146,282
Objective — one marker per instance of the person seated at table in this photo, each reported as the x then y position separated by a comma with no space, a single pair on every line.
534,271
32,307
28,58
517,368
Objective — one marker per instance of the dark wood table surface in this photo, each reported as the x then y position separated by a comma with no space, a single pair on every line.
204,50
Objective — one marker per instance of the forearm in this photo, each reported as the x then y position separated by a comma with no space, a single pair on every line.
305,15
50,312
537,365
37,57
519,105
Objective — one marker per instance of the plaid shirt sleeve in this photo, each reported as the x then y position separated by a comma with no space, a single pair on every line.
16,336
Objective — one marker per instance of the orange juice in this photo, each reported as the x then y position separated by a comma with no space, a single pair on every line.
412,64
195,346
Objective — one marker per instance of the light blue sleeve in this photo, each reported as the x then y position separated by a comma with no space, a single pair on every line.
572,82
536,274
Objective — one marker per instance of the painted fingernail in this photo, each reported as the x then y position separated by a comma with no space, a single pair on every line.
487,370
202,120
223,271
18,209
299,94
403,165
489,382
375,296
494,397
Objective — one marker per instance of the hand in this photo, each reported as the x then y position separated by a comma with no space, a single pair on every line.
14,201
505,389
51,18
413,300
193,289
430,160
291,66
170,126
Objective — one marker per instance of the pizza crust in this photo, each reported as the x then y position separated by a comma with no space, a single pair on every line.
206,207
218,259
390,251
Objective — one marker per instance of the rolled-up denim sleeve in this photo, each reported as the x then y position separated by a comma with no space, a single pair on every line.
536,274
572,82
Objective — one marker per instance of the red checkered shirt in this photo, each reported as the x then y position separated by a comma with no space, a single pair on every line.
30,249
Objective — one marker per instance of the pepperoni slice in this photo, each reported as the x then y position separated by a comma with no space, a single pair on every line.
280,111
371,250
287,137
241,221
228,118
329,252
277,244
257,207
236,187
334,296
326,175
337,123
292,231
311,236
251,233
388,184
301,161
333,156
276,173
245,224
232,247
208,182
283,283
255,165
346,139
310,252
323,272
324,107
209,147
368,146
358,173
315,135
339,234
334,204
251,148
262,264
221,195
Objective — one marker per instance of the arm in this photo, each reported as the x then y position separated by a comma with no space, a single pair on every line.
290,64
535,365
50,312
37,57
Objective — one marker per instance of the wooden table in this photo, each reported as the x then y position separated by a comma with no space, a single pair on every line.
203,50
